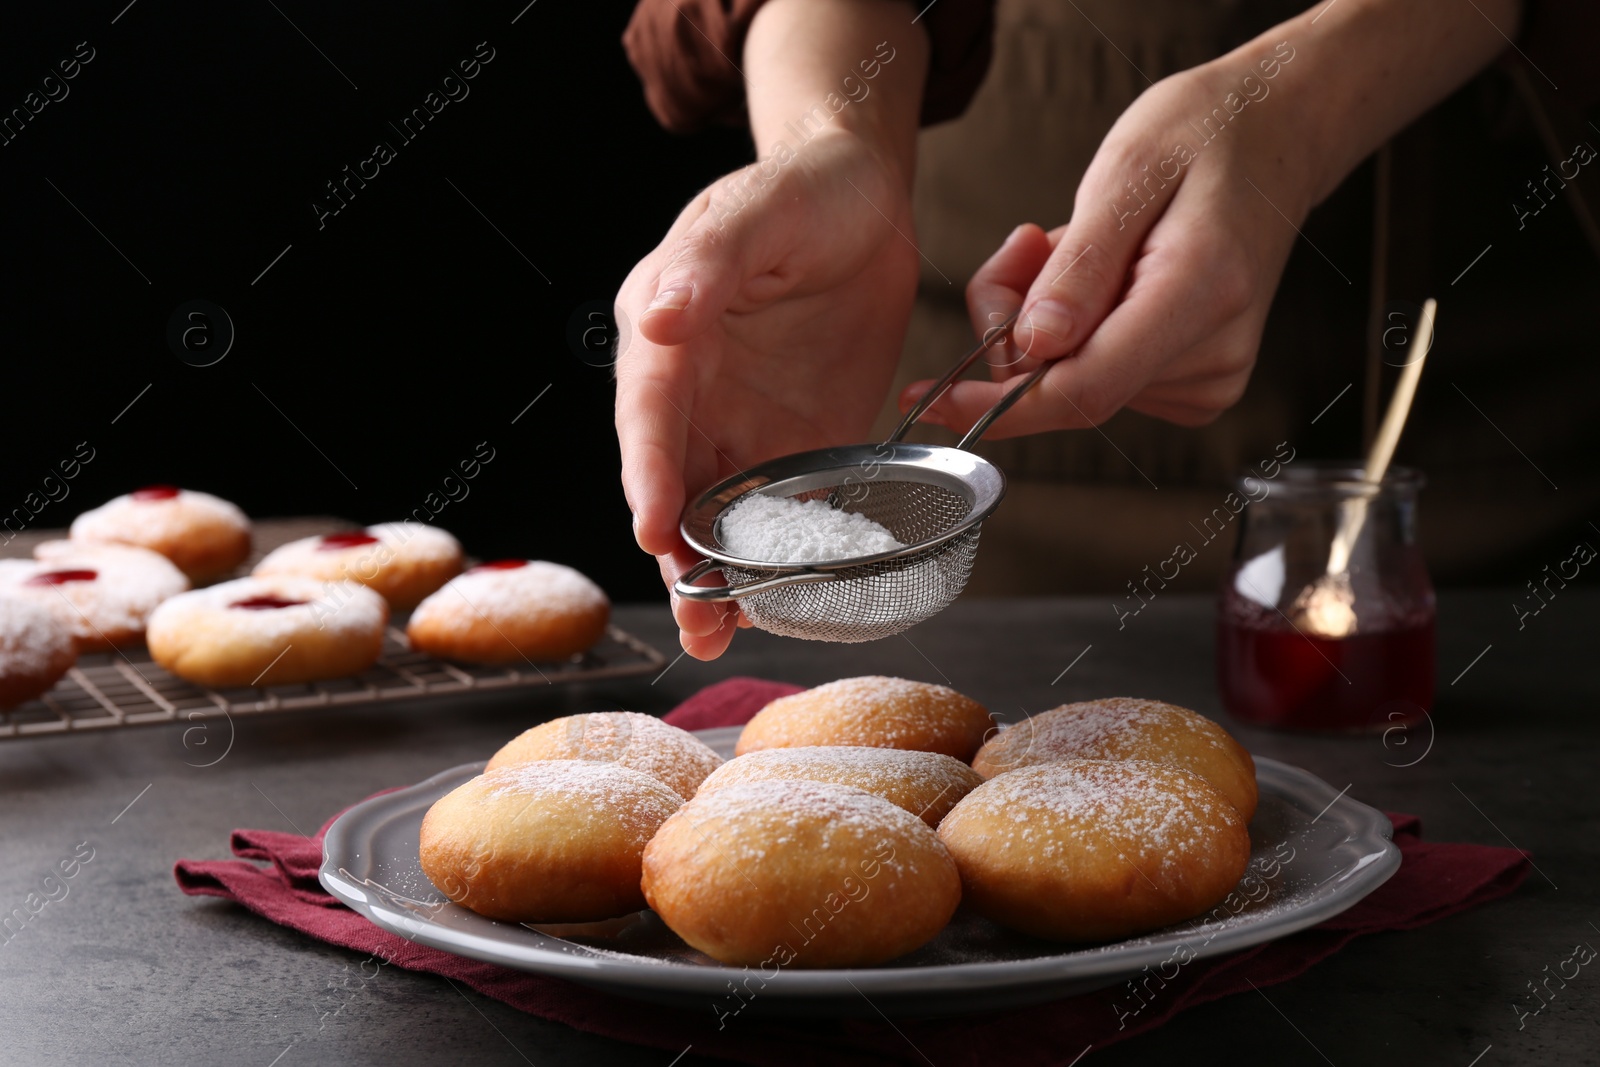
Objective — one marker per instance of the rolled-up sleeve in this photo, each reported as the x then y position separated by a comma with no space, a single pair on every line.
686,54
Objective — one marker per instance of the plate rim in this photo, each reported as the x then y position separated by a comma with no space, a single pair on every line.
1369,829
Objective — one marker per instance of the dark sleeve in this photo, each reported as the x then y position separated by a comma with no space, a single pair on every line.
686,53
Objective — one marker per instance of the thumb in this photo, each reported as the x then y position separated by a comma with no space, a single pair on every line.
1087,271
705,268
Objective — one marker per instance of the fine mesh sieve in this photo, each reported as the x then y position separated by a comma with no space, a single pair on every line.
932,498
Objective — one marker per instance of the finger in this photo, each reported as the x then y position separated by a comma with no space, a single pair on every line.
705,266
695,618
652,433
1164,315
997,288
1088,269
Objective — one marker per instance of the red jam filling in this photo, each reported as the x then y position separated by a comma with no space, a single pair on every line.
265,602
499,565
334,542
62,577
155,492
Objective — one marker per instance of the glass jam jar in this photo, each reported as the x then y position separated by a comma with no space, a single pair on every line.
1302,649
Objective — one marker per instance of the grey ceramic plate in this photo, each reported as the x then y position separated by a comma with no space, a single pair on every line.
1314,854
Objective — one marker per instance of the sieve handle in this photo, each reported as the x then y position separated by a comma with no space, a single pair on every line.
686,588
991,337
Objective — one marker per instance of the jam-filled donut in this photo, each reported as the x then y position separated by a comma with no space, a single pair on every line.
509,611
872,711
106,591
547,842
36,648
205,536
806,874
640,742
401,561
927,784
268,631
1127,728
1092,850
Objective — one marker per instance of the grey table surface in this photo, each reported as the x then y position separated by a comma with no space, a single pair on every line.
125,969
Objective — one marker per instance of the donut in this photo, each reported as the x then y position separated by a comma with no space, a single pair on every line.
401,561
548,842
511,610
927,784
808,874
1093,850
36,648
875,712
639,742
1127,728
106,591
204,536
268,631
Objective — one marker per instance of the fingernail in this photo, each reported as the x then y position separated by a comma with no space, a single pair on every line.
674,299
1049,317
1014,234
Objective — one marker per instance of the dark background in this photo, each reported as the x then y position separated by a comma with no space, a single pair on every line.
397,337
380,350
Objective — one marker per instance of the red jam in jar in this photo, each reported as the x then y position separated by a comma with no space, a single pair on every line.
1299,648
62,577
354,539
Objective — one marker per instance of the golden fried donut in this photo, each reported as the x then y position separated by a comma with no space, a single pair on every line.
808,874
553,841
639,742
1127,728
509,611
401,561
106,591
205,536
927,784
268,631
1093,850
36,648
875,712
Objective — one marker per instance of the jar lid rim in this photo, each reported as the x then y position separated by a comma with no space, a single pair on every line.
1342,477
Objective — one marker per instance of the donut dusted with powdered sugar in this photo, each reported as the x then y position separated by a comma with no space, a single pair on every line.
269,631
205,536
875,711
927,784
106,592
36,649
511,611
401,561
639,742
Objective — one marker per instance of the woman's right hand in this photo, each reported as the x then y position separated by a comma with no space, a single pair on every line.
768,321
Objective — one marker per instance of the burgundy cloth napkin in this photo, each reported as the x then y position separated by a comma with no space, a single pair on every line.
1434,880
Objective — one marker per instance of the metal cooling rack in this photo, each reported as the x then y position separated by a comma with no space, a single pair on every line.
110,690
107,691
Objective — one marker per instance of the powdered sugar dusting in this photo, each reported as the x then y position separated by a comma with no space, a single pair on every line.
884,772
871,710
1111,728
536,590
128,584
609,791
401,540
339,609
34,637
780,529
629,738
1127,808
153,522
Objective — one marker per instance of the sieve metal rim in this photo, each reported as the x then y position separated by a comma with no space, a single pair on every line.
965,473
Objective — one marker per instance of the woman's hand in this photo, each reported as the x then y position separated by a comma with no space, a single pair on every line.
1154,295
768,321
